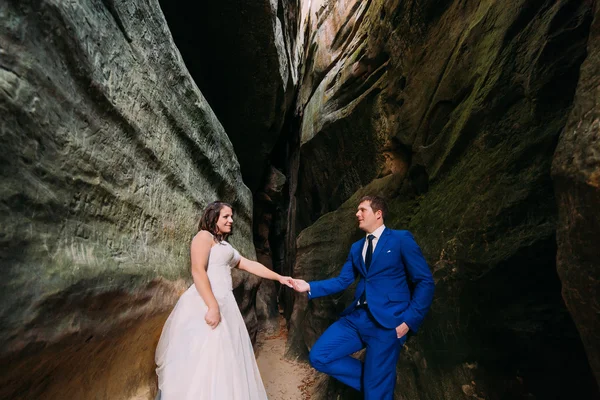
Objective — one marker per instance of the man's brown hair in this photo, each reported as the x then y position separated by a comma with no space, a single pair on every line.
377,204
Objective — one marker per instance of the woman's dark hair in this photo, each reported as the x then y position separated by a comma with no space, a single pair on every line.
209,219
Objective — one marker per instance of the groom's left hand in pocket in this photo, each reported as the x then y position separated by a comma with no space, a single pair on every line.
402,330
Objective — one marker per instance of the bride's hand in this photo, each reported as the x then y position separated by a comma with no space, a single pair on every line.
213,317
287,281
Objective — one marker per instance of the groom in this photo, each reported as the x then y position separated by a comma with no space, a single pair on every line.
383,310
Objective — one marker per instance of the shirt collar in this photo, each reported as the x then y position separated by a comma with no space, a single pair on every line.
377,232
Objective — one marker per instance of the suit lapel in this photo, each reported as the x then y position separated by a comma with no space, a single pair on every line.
379,248
358,255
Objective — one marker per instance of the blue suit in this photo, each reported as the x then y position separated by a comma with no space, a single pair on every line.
389,304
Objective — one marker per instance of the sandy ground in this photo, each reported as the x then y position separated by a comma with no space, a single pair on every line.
284,379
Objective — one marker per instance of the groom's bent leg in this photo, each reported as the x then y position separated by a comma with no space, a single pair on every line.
383,350
331,353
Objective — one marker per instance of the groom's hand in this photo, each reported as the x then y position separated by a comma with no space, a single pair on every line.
402,330
301,285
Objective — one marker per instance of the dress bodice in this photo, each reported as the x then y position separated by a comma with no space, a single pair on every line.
221,259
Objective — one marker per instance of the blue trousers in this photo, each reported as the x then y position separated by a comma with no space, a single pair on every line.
376,377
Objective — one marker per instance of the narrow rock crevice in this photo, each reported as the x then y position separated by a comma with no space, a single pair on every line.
478,122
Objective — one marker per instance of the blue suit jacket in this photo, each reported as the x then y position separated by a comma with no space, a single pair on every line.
388,293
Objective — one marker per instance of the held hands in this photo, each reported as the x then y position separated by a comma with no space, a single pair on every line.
287,281
298,285
301,285
402,330
213,317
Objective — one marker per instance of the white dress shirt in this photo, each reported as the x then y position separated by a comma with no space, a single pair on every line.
377,233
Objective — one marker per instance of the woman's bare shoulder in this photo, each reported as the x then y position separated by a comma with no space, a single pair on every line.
203,238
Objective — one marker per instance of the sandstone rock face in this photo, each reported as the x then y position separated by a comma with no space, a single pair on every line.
452,111
109,152
576,173
242,56
269,241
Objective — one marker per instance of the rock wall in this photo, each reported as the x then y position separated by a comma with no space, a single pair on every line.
244,57
241,54
576,173
109,152
269,241
452,111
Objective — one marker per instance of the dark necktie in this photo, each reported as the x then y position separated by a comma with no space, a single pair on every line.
368,257
369,254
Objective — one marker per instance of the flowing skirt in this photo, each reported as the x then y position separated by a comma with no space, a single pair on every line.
197,362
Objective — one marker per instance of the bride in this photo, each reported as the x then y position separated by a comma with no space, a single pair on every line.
205,352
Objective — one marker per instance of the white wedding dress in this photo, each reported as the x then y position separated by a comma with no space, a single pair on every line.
196,362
